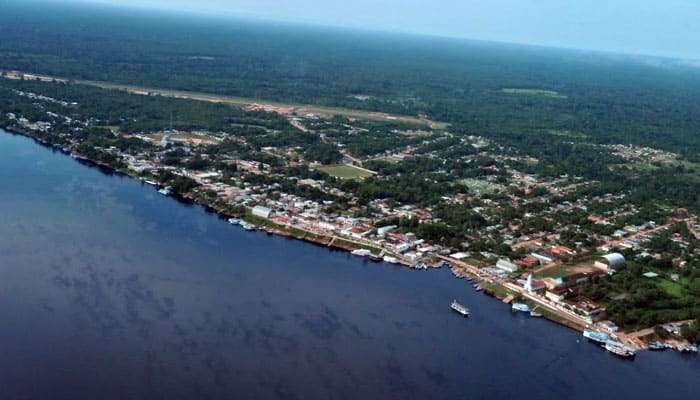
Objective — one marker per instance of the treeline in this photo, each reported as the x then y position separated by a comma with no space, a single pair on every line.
600,98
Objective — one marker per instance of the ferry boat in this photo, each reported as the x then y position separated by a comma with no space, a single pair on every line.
520,307
595,336
361,252
619,349
234,221
390,260
464,311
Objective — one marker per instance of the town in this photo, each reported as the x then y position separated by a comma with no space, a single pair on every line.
551,241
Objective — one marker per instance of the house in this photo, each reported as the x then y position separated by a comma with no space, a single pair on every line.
527,262
381,232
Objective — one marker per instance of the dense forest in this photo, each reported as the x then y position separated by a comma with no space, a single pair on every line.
483,88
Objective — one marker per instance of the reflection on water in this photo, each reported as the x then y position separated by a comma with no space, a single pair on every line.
110,290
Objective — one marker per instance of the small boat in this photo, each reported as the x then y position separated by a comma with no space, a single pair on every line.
390,260
375,258
535,314
152,183
420,265
657,346
464,311
687,349
619,349
166,191
361,253
522,307
479,288
234,221
247,226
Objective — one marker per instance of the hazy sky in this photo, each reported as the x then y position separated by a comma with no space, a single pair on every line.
653,27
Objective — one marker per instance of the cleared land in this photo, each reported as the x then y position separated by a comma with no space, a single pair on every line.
535,92
301,109
481,186
344,171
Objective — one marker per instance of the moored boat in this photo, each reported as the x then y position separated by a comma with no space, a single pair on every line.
390,260
234,221
361,253
657,346
596,336
619,349
247,226
522,307
375,258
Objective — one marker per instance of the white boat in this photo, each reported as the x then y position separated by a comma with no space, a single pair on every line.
459,308
247,226
390,260
420,265
234,221
521,307
619,349
152,183
361,252
166,191
596,336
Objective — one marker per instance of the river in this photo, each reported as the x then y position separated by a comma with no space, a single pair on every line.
109,290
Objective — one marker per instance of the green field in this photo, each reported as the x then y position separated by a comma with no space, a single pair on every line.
481,186
535,92
555,272
345,171
674,289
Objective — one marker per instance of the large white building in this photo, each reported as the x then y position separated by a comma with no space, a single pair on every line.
263,212
611,262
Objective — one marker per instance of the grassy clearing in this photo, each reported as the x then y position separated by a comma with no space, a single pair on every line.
345,171
567,134
555,272
482,187
535,92
674,289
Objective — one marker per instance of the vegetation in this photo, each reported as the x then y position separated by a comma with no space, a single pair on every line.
345,171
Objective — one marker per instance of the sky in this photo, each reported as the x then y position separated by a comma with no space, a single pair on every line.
669,28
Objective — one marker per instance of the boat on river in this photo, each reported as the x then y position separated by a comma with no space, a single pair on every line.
361,253
619,349
522,307
459,308
596,336
248,226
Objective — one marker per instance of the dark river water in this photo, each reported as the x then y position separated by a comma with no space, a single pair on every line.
109,290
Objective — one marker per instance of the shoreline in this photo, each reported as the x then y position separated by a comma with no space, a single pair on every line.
489,286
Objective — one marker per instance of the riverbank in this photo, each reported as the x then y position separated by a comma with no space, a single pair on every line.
494,287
